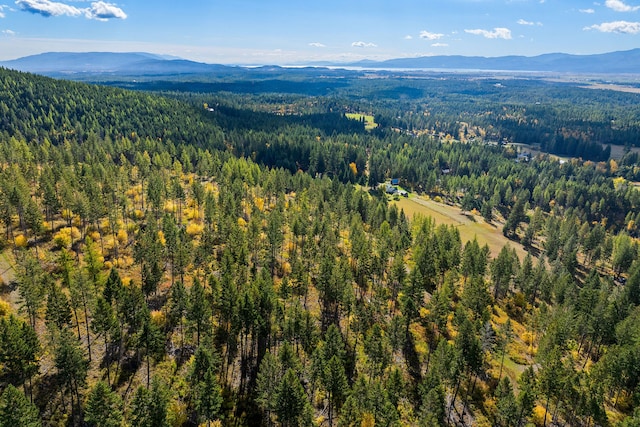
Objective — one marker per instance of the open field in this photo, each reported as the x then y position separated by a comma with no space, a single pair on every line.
469,225
617,151
614,87
369,122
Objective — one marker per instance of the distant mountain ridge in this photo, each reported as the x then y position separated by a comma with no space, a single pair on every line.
605,63
69,63
140,63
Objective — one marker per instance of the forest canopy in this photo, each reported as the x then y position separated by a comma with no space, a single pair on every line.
183,258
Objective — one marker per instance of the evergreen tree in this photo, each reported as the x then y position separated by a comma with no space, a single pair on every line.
377,349
93,261
147,253
178,308
199,311
104,324
149,406
16,410
290,400
20,349
209,397
103,407
151,341
335,383
516,216
624,252
474,259
503,268
72,366
31,285
113,287
204,360
269,376
395,386
527,395
83,292
476,297
33,217
275,237
432,400
507,409
58,309
506,333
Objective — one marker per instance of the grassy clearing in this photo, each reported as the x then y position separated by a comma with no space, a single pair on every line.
469,225
369,121
618,151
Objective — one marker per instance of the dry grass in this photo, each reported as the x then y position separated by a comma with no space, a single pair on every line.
468,225
613,87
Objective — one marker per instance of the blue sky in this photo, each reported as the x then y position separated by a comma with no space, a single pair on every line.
287,32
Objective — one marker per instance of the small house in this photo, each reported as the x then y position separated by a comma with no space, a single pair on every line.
395,181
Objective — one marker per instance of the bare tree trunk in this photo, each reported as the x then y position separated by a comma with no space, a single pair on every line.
108,358
546,409
86,323
504,350
75,314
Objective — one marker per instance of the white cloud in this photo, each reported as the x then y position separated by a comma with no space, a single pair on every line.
99,10
104,11
430,36
363,44
316,44
8,33
587,11
497,33
620,6
2,15
439,45
48,8
408,37
523,22
623,27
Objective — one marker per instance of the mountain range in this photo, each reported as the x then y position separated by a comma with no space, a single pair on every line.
132,64
67,63
614,62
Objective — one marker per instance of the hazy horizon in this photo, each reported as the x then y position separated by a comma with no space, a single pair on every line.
277,32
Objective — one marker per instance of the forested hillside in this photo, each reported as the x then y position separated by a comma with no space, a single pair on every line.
208,259
562,115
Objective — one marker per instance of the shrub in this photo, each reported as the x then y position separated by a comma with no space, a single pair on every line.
122,236
194,229
62,239
20,241
5,308
158,318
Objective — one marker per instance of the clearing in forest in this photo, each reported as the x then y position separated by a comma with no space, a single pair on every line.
468,225
369,121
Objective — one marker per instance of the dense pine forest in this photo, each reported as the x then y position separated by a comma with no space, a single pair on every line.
182,258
